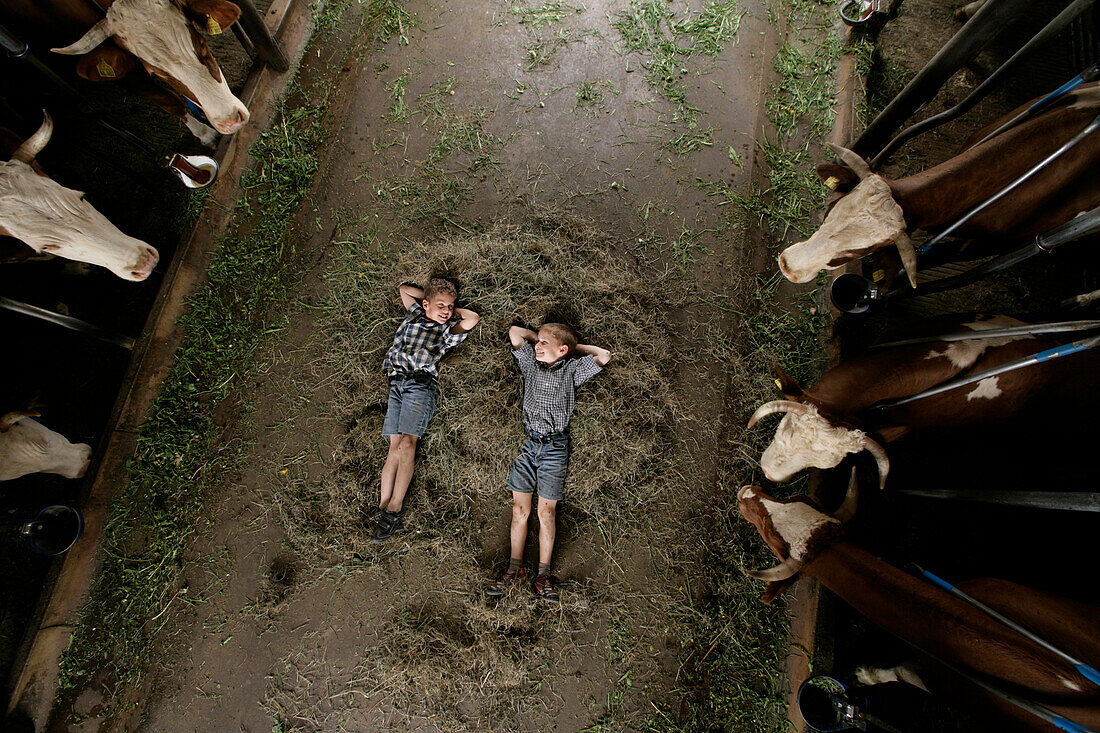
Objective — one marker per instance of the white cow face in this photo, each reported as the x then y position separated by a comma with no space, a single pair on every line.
28,446
160,34
51,218
806,439
866,219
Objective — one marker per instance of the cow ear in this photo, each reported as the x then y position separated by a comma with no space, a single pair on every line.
106,63
786,383
213,16
837,177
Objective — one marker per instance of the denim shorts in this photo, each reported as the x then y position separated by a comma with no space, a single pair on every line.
411,406
541,466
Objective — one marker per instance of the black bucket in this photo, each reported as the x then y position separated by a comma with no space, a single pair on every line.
54,530
823,705
852,293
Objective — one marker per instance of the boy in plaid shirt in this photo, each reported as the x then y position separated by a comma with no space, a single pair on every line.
432,327
549,382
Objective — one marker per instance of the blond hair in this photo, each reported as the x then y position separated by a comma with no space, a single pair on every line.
438,285
563,333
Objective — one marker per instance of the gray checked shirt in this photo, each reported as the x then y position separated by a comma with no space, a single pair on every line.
420,343
548,392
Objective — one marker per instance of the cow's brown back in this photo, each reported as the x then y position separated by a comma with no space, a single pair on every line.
1069,185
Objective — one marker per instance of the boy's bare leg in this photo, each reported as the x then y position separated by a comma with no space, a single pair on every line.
406,451
548,529
521,510
389,472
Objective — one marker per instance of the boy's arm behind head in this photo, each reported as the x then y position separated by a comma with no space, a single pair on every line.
410,295
517,335
602,356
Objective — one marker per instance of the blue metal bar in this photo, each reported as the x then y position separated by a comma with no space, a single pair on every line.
1086,671
1058,351
1088,130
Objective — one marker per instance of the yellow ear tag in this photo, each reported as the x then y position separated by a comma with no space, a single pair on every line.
779,385
878,275
105,69
832,182
212,26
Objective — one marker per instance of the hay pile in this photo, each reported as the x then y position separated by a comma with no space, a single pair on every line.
556,270
460,661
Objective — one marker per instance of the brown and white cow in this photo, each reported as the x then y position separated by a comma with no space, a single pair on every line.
163,35
809,542
28,446
52,219
879,212
824,423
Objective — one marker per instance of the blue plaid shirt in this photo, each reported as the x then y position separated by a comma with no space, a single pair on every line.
549,391
420,343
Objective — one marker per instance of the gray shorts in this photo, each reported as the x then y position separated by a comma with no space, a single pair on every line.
541,466
411,406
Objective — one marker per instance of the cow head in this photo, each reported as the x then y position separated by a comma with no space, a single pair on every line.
865,219
163,35
51,218
795,530
27,446
806,438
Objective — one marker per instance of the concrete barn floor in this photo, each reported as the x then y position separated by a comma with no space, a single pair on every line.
583,133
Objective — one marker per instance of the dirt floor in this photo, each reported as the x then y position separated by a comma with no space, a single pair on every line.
480,137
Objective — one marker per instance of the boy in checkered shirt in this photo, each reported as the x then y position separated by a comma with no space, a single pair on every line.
550,380
432,327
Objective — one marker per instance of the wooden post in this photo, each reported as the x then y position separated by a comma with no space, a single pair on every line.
264,45
990,20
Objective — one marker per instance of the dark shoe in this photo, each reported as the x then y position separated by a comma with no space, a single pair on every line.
506,578
546,588
388,523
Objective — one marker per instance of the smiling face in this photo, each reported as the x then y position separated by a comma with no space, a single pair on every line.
549,349
440,308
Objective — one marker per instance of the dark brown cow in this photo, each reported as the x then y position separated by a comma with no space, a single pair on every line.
808,542
824,423
162,35
880,212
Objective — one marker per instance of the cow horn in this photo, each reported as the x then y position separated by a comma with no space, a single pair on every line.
33,145
880,458
847,509
850,159
775,406
908,257
782,571
96,35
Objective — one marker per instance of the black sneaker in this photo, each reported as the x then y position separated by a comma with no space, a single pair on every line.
546,588
506,578
388,523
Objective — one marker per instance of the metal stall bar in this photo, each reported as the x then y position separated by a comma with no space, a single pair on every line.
990,20
1051,29
263,43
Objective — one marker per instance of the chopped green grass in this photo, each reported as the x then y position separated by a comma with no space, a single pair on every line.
667,41
543,14
399,110
688,142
